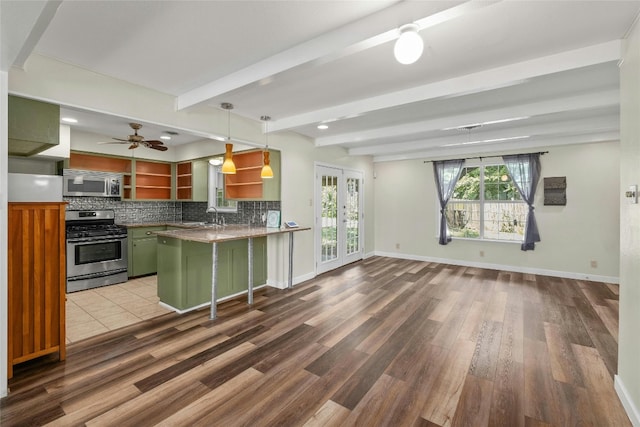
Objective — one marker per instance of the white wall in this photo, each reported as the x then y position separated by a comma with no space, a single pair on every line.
628,378
572,236
4,144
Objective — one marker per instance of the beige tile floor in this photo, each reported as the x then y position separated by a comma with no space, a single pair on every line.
99,310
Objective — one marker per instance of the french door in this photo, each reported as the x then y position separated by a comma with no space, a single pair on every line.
339,219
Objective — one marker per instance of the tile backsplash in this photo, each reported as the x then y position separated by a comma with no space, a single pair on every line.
170,211
248,212
128,211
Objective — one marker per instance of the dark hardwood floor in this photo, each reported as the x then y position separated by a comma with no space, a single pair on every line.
382,342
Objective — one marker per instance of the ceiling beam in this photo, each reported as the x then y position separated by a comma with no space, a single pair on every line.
498,149
504,76
21,26
472,139
347,40
603,98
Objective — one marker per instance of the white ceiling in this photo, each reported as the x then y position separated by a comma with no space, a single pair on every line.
552,65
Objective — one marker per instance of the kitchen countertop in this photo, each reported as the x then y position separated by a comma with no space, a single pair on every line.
214,234
185,224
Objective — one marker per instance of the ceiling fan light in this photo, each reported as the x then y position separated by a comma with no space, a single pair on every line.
409,46
266,172
228,167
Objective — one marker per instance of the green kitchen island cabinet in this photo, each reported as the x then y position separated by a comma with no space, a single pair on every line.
188,257
184,270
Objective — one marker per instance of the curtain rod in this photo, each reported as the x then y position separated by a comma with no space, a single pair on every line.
542,153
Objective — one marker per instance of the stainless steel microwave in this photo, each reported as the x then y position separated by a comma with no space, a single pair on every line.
91,184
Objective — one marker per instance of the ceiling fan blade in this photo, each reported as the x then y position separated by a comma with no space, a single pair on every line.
120,139
158,147
132,146
112,142
154,142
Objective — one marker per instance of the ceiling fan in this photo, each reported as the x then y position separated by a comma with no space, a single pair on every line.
136,140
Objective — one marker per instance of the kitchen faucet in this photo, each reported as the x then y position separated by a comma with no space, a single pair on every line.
213,209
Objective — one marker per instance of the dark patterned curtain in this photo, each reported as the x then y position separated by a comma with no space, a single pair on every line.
446,175
525,173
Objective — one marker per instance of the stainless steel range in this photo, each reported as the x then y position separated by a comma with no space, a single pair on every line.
96,250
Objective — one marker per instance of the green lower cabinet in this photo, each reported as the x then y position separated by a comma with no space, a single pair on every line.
143,250
184,270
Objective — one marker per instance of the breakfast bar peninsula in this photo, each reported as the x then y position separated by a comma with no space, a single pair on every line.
203,264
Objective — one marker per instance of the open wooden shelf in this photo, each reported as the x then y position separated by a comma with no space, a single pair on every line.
184,181
83,161
153,180
246,183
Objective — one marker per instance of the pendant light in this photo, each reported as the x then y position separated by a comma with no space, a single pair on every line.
266,172
228,167
409,46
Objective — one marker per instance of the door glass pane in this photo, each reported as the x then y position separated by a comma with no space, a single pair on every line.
352,215
329,217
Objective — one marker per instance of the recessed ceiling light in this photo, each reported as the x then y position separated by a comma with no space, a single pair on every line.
69,120
323,127
165,137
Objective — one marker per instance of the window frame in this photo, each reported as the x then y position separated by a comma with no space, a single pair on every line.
215,182
481,201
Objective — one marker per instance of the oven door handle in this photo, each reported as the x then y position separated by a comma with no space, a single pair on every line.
94,240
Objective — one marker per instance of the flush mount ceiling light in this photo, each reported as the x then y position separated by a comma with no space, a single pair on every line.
323,127
409,46
228,167
266,172
168,134
69,120
491,122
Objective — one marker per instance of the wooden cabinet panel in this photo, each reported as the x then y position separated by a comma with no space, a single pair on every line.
93,162
36,279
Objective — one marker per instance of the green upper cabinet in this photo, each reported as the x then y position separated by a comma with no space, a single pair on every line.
271,187
34,126
191,180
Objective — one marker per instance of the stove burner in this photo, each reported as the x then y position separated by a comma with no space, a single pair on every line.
75,231
89,224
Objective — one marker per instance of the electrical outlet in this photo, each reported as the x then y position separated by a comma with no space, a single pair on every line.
632,194
397,245
481,253
594,264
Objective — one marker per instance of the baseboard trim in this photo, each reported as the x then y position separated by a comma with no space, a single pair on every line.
206,304
632,411
296,280
515,269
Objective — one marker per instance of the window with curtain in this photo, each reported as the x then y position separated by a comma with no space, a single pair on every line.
486,204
